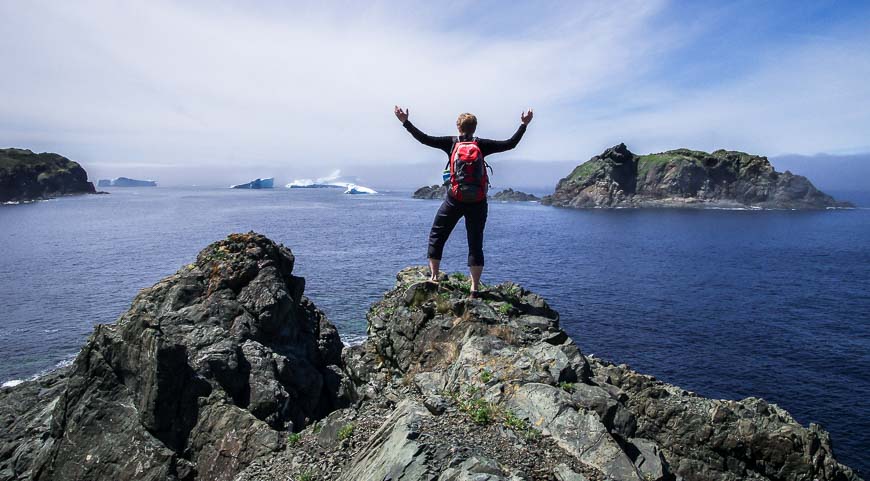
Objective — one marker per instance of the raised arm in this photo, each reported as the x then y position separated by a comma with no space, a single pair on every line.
488,146
442,143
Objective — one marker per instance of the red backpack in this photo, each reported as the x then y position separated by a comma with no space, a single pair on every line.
468,180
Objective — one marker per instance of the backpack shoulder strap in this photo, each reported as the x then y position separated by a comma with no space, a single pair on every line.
456,141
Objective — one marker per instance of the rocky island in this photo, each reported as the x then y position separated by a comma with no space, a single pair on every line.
227,371
685,178
510,195
438,192
26,176
431,192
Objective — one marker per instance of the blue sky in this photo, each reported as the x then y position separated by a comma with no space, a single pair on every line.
167,89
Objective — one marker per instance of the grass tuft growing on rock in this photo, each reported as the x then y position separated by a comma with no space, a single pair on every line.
484,412
294,438
306,476
567,386
458,276
345,432
519,425
480,411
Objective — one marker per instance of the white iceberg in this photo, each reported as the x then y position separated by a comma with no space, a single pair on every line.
256,184
125,182
358,189
332,181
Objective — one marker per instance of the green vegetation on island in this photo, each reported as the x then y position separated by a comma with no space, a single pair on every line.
26,176
685,178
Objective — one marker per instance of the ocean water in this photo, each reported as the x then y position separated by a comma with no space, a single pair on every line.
728,304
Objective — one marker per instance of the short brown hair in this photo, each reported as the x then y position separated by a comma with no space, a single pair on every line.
466,123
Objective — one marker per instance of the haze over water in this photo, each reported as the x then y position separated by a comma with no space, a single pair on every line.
728,304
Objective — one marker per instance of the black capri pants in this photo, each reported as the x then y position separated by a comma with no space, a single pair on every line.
448,215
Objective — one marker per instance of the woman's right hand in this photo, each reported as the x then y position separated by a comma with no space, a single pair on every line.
402,116
526,117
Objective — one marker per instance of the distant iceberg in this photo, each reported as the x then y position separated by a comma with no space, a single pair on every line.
256,184
301,184
332,181
358,189
125,182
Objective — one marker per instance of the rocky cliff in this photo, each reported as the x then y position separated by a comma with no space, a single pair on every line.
685,178
226,371
26,176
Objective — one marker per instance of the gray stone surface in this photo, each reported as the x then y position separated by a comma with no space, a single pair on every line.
475,469
564,473
394,451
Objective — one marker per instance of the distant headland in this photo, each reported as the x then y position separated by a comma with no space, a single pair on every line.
27,176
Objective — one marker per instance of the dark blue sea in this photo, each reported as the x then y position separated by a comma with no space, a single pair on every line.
728,304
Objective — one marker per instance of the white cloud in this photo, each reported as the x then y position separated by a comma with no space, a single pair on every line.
811,98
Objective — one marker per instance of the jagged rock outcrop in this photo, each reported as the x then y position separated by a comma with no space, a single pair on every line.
431,192
506,354
207,371
26,176
753,438
226,371
510,195
685,178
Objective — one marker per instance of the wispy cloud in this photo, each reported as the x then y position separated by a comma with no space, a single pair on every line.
301,89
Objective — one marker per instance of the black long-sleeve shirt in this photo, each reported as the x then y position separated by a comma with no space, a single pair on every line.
487,146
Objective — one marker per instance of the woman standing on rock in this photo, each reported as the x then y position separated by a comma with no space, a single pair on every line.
468,184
